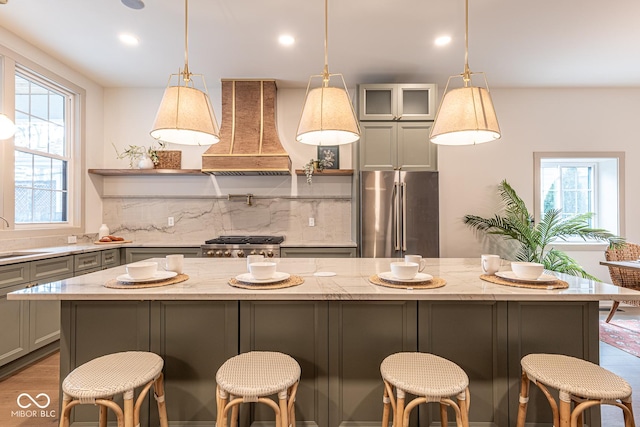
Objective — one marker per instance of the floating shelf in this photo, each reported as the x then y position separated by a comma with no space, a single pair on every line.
156,172
328,172
129,172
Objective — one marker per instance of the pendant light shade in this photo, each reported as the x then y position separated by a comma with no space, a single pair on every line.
328,117
466,115
185,115
7,127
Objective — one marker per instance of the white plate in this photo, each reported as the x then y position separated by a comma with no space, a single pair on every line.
279,276
510,275
420,277
160,275
324,274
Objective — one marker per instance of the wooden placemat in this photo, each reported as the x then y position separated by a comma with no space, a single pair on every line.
114,242
556,284
436,282
115,284
293,280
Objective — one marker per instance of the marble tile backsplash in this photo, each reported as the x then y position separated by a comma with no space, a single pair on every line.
196,220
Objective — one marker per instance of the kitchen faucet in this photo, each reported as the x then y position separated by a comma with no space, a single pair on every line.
6,222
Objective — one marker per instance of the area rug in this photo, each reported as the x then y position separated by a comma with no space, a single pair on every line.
623,334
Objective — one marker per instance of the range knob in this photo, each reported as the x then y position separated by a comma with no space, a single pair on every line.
240,253
261,253
253,252
218,253
227,253
210,253
270,254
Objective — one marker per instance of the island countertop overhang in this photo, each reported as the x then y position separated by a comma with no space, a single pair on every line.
208,280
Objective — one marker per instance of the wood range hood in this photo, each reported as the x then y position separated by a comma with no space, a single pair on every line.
249,143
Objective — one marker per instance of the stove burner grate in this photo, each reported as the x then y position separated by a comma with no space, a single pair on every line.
246,240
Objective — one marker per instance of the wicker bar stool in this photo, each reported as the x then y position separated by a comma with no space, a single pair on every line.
579,381
253,377
98,380
428,377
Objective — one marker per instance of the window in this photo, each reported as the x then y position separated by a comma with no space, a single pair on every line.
41,191
578,183
41,151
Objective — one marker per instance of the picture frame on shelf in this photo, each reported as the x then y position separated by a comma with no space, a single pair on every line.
329,155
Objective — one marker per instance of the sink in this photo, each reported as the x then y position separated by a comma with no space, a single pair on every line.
6,255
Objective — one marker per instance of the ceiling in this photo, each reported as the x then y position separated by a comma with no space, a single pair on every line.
546,43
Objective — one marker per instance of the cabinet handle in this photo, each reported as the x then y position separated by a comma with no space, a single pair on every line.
31,285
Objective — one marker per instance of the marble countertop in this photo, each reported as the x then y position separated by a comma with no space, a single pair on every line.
34,254
208,280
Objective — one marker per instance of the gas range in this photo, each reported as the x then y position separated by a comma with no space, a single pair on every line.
241,246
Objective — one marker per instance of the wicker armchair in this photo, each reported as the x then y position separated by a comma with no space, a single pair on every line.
624,277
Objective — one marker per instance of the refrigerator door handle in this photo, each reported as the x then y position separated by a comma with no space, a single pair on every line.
395,214
404,216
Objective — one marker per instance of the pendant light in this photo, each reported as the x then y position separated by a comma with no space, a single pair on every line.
466,115
328,117
185,115
7,127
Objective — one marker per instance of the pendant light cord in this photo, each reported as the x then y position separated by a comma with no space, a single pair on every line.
325,73
186,75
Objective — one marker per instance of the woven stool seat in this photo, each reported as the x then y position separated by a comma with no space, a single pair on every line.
112,374
429,377
578,381
99,380
252,377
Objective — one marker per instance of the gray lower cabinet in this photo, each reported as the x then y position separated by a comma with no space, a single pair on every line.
14,333
339,346
138,254
315,252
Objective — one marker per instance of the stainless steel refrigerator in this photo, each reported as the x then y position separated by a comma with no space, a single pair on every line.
399,214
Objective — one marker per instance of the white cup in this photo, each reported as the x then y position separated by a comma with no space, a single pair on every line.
404,270
490,263
417,259
262,270
142,269
174,263
527,270
254,258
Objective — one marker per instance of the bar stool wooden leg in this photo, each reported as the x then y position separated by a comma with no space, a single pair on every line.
102,418
565,409
158,392
444,418
524,400
386,402
293,390
284,409
628,414
222,399
400,395
464,402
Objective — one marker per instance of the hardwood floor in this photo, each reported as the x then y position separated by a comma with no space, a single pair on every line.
43,377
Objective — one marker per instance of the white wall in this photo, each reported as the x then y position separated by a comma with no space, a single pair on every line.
535,120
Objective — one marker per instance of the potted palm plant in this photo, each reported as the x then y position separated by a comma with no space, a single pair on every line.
532,240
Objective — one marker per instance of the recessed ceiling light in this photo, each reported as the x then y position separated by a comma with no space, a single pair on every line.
286,40
129,39
443,40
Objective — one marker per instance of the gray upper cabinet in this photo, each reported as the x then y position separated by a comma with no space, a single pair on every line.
401,102
391,145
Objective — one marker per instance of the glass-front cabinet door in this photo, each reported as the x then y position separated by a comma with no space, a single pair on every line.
390,102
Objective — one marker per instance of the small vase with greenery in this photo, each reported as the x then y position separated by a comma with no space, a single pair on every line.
135,153
314,166
533,240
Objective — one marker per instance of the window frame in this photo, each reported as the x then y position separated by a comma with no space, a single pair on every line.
619,157
10,62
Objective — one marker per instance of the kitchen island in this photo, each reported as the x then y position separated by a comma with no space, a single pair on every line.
339,328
